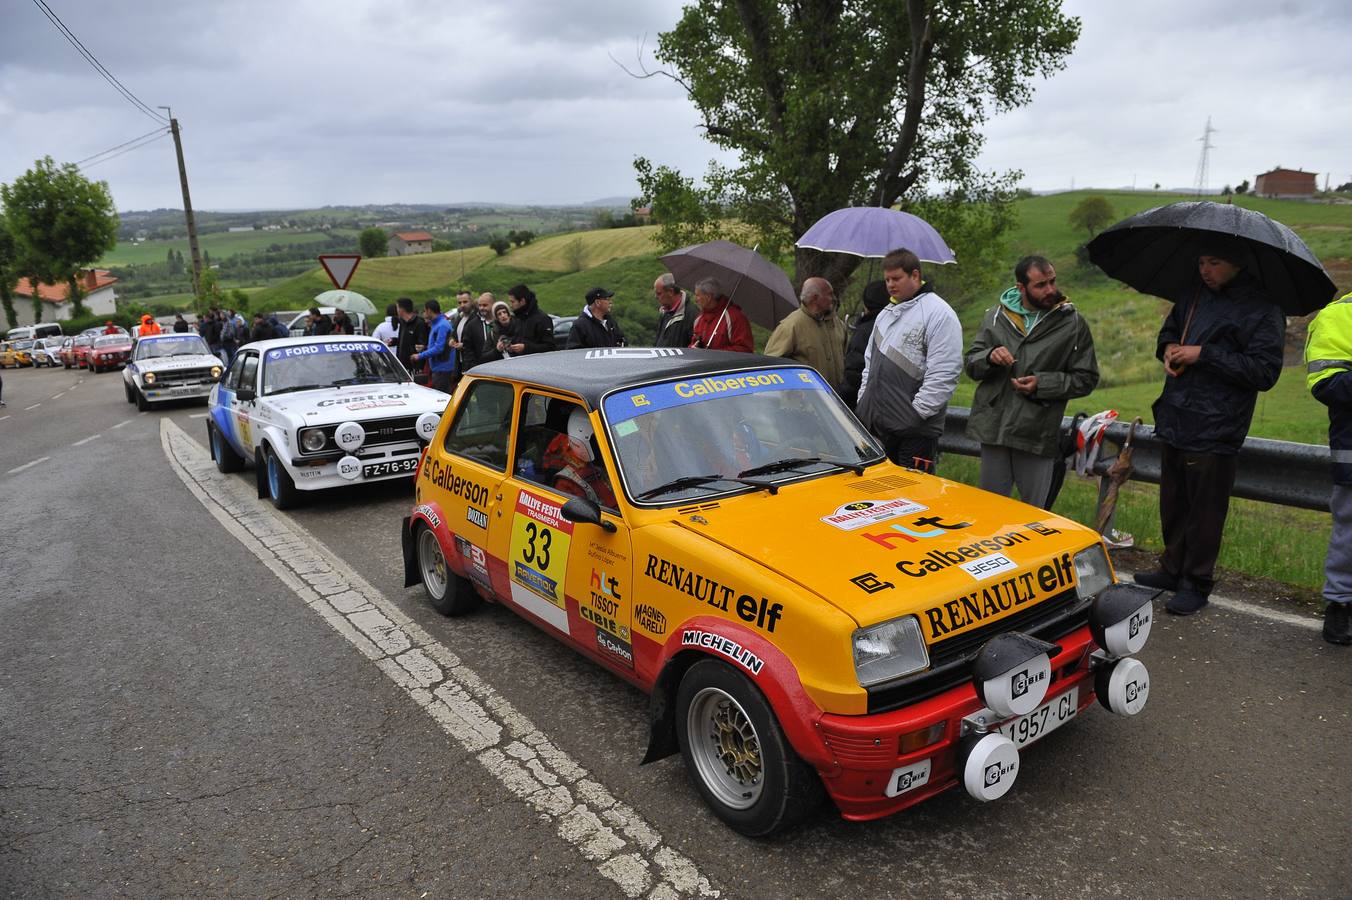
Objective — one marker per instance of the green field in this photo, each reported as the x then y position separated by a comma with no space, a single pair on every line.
218,244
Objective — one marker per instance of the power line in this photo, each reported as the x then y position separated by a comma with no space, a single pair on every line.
118,147
98,66
159,135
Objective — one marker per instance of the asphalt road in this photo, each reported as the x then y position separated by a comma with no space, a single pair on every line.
179,714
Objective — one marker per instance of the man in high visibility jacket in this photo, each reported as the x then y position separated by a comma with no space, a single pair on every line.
1328,362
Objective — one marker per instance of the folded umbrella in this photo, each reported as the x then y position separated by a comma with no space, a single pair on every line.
875,231
754,283
1156,252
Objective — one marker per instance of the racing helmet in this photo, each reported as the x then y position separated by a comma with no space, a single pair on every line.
580,434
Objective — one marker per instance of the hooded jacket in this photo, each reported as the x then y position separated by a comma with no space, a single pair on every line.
911,366
1056,346
1208,408
1328,362
535,329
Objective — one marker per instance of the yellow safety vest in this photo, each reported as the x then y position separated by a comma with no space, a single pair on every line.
1328,346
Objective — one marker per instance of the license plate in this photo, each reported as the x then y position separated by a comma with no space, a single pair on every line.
182,389
1044,720
393,467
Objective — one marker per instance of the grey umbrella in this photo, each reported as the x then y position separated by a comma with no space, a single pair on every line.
754,283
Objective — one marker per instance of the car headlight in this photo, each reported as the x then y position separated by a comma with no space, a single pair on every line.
148,377
1092,571
215,372
312,440
890,650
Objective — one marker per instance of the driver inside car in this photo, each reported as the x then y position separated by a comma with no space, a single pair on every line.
571,453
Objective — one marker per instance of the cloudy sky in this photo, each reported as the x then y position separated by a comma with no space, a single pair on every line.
313,102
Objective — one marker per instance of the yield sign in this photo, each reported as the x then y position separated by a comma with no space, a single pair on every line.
340,267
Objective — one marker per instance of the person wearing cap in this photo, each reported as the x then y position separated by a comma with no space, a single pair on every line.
875,298
813,334
676,318
110,328
594,326
1220,345
571,453
721,324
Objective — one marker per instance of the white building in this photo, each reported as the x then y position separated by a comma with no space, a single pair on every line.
99,297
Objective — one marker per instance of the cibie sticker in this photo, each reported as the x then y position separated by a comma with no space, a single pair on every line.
908,778
870,512
984,568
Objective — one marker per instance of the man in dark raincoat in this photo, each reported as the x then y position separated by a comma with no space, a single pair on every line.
1220,345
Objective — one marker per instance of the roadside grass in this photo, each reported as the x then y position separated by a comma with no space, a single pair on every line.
219,244
1261,539
382,280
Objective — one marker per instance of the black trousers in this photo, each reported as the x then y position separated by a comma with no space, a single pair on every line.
912,451
1194,501
443,381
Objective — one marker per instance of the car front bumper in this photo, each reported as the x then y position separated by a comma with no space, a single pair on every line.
321,471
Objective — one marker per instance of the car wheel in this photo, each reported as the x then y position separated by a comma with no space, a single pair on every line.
126,389
281,488
141,402
227,460
735,750
448,593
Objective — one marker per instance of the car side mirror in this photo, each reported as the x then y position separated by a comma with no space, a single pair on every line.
246,395
582,510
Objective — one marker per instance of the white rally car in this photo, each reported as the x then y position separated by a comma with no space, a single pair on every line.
169,367
319,412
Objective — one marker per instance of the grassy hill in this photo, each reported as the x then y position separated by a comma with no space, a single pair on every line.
585,249
219,244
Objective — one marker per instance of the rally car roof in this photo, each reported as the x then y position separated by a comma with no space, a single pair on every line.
593,373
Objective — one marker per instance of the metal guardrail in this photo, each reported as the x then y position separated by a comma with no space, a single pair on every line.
1280,472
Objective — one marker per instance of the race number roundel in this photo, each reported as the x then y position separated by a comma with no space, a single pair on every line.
541,539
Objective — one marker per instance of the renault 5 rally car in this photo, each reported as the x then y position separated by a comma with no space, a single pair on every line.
319,412
720,531
166,367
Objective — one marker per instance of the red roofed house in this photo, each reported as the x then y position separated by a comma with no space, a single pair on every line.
99,297
1285,183
402,243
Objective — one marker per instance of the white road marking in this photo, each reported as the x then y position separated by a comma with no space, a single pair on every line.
607,832
1309,623
34,406
92,437
30,465
124,422
59,396
3,418
199,415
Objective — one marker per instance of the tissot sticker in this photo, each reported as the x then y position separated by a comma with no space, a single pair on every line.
870,512
538,555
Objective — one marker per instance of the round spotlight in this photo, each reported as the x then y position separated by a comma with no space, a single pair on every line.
1123,687
988,763
349,436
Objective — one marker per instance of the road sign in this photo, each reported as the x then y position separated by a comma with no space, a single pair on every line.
340,267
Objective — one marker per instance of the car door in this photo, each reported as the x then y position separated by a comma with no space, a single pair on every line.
573,576
224,411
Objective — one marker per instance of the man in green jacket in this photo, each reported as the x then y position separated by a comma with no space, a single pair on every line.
1033,353
813,334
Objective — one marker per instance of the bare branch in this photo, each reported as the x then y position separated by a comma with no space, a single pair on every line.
643,71
922,45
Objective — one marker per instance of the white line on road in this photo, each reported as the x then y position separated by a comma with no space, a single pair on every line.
124,422
92,437
34,406
1252,609
59,396
199,415
3,418
30,465
622,846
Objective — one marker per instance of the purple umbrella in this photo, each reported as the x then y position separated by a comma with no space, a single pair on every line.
873,231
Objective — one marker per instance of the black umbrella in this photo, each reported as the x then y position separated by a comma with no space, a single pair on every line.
1156,252
754,283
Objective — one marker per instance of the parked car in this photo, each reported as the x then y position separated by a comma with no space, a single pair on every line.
169,367
719,530
8,356
109,351
76,353
46,352
319,412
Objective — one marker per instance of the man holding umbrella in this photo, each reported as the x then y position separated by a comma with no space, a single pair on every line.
721,324
1220,346
1328,360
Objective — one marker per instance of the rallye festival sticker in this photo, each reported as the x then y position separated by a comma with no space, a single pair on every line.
538,557
870,512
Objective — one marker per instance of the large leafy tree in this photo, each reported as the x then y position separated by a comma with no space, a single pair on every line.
832,103
9,273
372,242
61,221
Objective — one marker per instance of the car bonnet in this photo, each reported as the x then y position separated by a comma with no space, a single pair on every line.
357,402
173,363
882,546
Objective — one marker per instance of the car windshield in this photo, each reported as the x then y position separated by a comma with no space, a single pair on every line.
307,366
112,340
697,436
186,345
23,345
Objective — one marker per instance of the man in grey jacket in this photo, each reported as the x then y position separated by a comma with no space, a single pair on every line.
1034,352
911,365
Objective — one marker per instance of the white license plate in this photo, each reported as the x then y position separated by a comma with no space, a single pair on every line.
182,389
389,468
1044,720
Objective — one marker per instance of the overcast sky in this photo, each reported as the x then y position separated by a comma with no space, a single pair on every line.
313,102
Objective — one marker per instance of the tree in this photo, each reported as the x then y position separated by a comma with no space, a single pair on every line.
828,107
9,273
500,244
372,242
521,238
1091,214
61,221
1243,187
1227,191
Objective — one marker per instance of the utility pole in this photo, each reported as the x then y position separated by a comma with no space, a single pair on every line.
187,205
1203,164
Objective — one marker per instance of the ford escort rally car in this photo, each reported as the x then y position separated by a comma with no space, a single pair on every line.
719,530
169,367
319,412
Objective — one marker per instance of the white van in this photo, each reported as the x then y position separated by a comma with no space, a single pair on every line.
32,332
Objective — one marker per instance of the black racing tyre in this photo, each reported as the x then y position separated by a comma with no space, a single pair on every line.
281,488
227,460
141,402
448,593
737,754
131,395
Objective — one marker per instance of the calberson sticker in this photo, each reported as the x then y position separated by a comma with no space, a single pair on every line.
870,512
938,560
729,648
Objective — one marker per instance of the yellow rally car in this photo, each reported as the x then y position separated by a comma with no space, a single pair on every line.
719,530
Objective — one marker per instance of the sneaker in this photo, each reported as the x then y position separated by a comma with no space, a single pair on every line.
1158,579
1118,540
1338,623
1185,602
